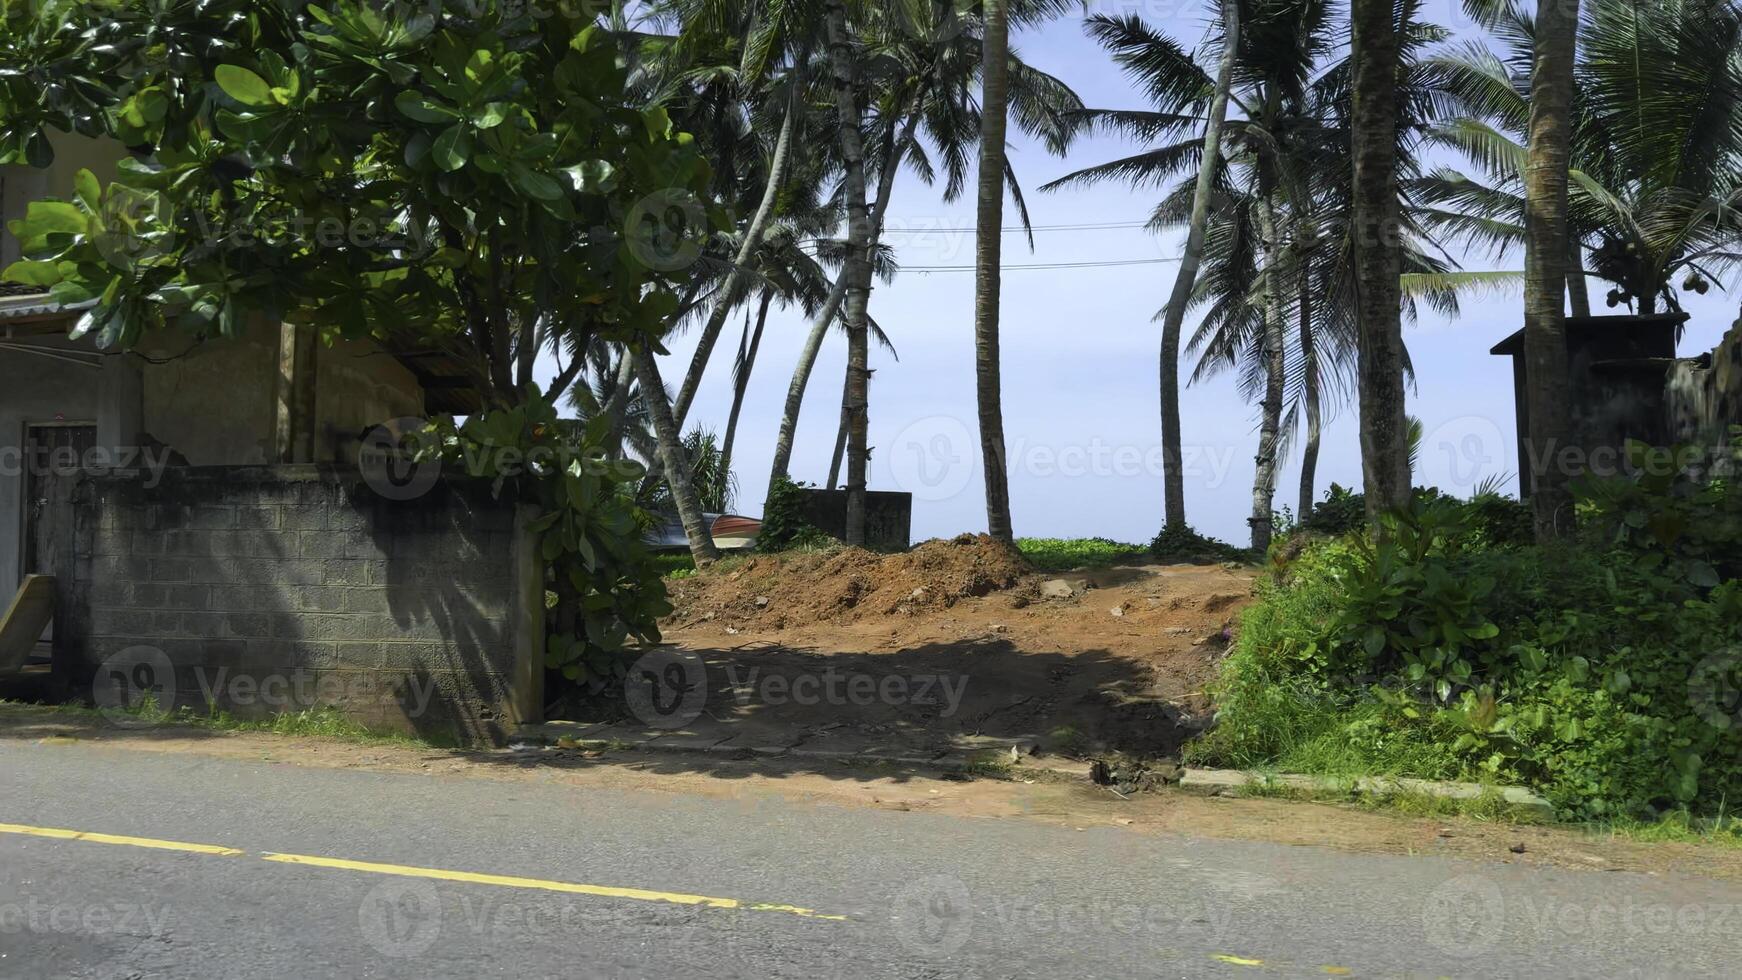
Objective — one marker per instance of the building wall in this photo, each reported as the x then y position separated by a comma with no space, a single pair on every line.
280,588
212,401
358,386
33,388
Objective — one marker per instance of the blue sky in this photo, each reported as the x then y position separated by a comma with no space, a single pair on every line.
1081,406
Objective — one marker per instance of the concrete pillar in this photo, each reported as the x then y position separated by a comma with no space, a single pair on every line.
294,408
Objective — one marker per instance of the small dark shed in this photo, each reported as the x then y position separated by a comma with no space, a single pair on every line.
1618,365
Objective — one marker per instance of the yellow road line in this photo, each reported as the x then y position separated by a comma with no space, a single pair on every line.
162,845
573,888
1236,960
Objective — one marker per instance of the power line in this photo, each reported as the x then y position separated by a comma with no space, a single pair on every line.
1018,229
1038,265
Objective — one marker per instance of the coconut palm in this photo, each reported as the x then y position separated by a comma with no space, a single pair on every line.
922,62
1179,90
1655,176
988,255
1376,213
1277,260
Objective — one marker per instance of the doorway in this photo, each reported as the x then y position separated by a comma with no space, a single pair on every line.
53,452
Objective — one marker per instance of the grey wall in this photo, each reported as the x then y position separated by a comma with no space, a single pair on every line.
888,516
421,615
35,388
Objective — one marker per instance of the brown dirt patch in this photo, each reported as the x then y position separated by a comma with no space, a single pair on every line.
851,583
1115,660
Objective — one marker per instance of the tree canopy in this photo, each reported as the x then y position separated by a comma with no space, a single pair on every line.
473,172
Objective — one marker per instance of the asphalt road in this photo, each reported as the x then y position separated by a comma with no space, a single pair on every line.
301,872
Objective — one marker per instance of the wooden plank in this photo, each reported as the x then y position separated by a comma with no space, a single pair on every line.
31,612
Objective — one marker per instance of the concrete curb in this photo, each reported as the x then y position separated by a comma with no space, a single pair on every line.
1213,780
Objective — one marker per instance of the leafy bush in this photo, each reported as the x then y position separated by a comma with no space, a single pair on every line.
1500,520
607,589
1604,671
783,523
1182,544
1343,511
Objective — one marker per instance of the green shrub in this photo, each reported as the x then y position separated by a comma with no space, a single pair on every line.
783,523
1182,544
1343,511
1604,671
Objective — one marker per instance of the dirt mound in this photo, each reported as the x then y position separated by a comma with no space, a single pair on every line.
851,583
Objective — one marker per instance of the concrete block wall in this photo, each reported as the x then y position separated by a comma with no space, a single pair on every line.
281,588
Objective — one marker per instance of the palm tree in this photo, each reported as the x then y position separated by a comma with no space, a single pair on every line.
925,117
1548,395
844,64
1646,128
988,253
671,455
1653,181
1178,87
1377,219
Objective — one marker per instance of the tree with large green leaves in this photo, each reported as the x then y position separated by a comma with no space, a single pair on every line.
475,179
466,174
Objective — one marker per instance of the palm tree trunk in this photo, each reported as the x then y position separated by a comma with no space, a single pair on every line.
671,455
807,359
801,376
1309,365
1545,262
1270,423
753,235
1578,290
741,383
1378,257
619,402
1172,440
857,270
841,435
988,258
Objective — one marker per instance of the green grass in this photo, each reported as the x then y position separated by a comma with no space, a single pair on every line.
1677,827
324,722
673,564
1065,554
